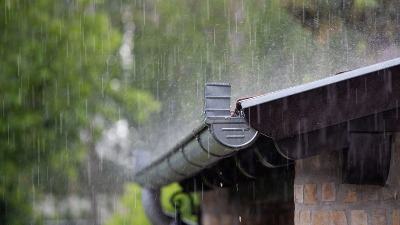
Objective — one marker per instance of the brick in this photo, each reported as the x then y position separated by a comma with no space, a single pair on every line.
298,194
359,217
328,192
396,217
369,195
351,195
338,218
320,218
379,217
296,217
305,218
310,194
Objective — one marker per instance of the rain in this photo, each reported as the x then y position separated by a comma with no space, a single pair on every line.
92,92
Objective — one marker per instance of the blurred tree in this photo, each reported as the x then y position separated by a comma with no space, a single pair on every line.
358,28
59,83
132,212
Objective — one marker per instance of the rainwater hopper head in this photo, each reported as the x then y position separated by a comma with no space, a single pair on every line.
217,100
232,132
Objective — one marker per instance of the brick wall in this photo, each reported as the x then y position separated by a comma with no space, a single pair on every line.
321,198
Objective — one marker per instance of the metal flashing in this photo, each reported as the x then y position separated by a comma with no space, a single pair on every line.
259,99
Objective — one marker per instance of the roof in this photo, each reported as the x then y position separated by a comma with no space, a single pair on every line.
282,126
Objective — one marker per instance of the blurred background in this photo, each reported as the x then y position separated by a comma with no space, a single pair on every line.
87,84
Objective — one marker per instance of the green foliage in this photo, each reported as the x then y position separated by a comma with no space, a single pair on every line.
132,213
57,62
172,196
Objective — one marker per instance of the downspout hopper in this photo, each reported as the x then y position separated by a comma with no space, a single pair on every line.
232,131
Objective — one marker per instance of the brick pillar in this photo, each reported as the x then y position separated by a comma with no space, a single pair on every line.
321,198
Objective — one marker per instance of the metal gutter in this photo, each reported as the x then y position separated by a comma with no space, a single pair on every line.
218,136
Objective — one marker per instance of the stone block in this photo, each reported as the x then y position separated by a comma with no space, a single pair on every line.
298,194
320,217
396,217
338,218
328,192
296,217
350,195
379,217
310,194
359,217
369,195
305,218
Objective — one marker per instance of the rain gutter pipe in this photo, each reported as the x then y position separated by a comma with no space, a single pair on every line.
219,135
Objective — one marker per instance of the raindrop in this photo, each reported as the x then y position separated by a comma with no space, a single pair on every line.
236,22
197,92
61,124
214,36
101,161
68,95
293,63
18,63
38,151
144,14
66,140
102,87
38,175
8,133
158,90
208,9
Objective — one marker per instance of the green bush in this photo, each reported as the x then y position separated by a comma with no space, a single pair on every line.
134,213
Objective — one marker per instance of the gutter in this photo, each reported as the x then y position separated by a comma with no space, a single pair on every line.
218,136
355,111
